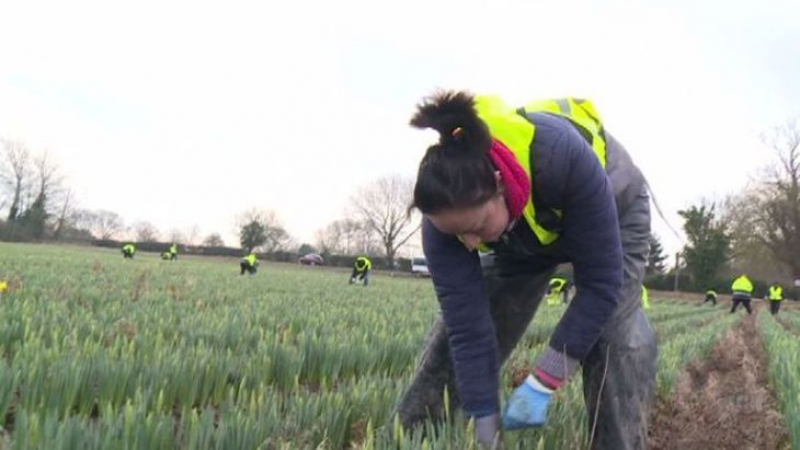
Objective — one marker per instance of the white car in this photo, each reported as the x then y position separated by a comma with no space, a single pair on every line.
419,267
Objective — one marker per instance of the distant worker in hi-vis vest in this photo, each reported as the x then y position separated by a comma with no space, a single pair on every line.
775,298
128,251
742,289
361,270
711,296
171,254
249,264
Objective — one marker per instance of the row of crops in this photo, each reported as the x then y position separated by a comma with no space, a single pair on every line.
782,344
102,353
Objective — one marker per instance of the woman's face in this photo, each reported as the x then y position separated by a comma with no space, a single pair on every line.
478,224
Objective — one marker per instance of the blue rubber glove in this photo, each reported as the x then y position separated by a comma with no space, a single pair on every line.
527,406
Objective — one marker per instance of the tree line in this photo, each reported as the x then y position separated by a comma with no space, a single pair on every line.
755,231
36,204
376,222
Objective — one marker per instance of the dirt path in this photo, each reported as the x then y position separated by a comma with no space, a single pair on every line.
723,402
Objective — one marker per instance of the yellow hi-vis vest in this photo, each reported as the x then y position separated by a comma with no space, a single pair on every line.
776,293
742,284
509,126
251,259
363,263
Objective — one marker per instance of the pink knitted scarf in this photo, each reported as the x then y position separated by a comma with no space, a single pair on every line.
515,180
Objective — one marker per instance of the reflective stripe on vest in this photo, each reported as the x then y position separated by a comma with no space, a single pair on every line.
558,284
582,114
508,126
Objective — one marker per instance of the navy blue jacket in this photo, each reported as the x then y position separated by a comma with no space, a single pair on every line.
567,176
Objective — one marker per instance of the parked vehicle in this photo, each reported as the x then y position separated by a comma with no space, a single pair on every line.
419,267
311,259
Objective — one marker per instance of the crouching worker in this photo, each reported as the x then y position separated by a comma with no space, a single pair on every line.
711,296
249,264
532,187
171,254
361,270
128,251
742,289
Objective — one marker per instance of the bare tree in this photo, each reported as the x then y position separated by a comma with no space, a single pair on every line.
347,237
48,181
327,239
85,220
15,175
66,215
383,207
368,242
145,231
775,200
192,235
749,253
214,240
105,224
176,236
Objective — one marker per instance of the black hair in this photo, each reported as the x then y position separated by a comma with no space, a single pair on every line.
456,172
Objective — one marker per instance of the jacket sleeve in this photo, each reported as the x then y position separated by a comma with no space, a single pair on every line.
592,242
458,280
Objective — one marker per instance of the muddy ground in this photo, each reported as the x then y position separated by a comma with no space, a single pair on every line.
723,401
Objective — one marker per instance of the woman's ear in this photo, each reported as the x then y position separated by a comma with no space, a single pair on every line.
498,181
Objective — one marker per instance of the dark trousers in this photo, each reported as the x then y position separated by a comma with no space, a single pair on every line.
127,255
774,306
624,356
712,299
741,301
359,276
246,268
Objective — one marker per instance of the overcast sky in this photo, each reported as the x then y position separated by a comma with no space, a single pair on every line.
187,113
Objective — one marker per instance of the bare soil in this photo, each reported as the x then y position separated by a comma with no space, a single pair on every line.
519,374
723,401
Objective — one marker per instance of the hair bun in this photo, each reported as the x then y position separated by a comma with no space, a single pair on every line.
452,114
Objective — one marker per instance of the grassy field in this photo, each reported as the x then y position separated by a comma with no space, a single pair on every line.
104,353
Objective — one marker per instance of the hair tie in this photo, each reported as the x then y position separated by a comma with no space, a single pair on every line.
457,132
